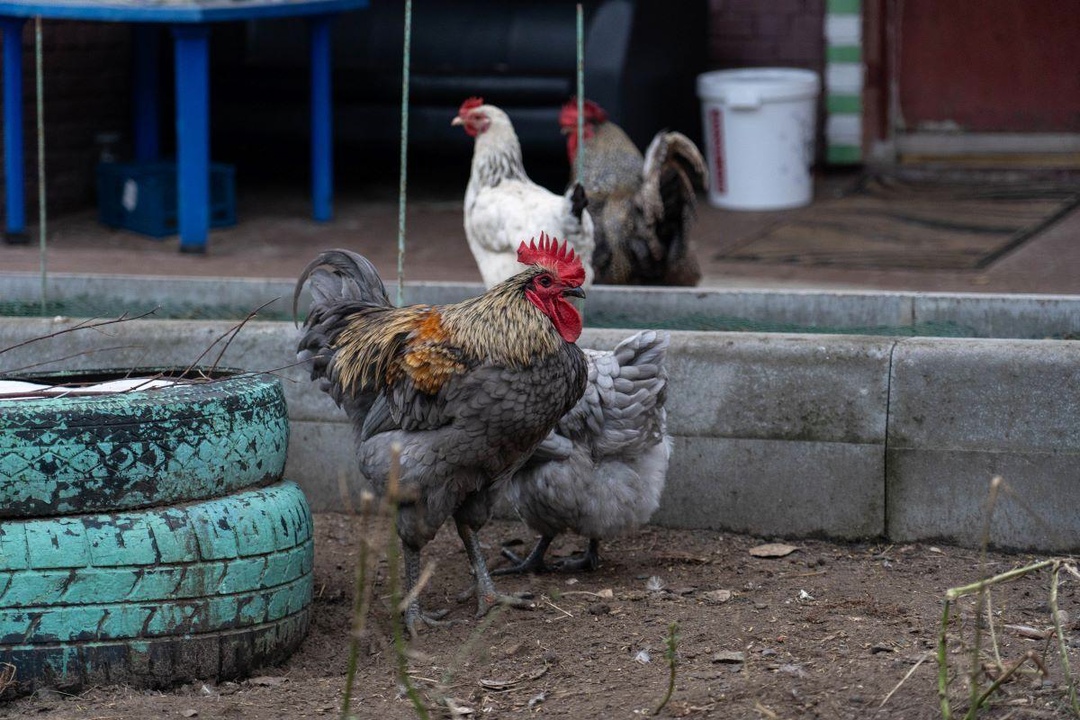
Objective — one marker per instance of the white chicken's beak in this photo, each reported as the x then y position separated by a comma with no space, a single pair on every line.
457,121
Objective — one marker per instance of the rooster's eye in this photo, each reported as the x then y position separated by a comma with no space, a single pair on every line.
544,280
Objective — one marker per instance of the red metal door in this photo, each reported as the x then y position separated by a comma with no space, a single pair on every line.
988,66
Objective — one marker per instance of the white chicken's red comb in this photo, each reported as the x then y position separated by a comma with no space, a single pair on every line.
470,104
548,253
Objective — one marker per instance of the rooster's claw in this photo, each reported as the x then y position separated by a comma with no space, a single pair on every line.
414,617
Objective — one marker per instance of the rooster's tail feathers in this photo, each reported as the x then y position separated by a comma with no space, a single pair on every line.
674,152
342,276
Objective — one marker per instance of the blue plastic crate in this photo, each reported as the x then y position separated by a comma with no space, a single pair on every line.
142,196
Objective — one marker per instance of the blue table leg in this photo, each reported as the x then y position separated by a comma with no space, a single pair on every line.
145,80
13,132
322,161
192,50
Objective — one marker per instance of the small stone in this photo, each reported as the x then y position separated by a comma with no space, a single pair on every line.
772,550
716,597
729,656
599,609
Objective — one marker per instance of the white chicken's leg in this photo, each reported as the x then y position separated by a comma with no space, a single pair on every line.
487,596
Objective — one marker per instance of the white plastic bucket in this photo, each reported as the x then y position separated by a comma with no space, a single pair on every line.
759,127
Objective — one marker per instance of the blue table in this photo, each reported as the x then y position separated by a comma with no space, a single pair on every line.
190,22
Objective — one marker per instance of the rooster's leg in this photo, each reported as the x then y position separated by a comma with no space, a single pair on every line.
487,596
589,560
533,562
413,614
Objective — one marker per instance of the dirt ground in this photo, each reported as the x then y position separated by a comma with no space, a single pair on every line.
827,631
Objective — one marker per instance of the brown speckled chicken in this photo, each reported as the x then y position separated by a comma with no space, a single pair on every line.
602,469
642,206
466,391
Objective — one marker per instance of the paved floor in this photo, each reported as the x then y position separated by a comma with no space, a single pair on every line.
275,238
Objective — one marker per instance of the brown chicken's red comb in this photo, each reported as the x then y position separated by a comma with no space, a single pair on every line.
593,113
470,104
550,254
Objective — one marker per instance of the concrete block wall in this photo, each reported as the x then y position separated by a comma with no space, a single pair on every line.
964,411
778,426
775,435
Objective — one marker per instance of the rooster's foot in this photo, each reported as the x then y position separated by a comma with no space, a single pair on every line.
414,617
488,600
470,592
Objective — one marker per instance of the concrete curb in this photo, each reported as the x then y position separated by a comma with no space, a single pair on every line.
775,434
1033,317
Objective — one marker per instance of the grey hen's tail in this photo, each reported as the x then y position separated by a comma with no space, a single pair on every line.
631,384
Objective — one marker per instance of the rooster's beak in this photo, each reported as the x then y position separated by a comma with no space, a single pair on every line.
457,121
575,292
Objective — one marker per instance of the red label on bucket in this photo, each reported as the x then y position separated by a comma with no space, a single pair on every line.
716,130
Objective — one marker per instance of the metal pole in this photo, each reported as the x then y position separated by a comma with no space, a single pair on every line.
13,132
580,91
322,161
39,77
404,153
192,49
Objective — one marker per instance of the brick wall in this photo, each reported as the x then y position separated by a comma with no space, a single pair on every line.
756,33
87,92
773,33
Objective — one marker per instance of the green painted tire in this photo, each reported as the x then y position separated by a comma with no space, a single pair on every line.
80,454
157,597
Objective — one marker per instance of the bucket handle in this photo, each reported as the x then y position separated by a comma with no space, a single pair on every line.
743,98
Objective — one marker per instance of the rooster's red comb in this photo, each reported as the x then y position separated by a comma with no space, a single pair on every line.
470,104
548,253
593,113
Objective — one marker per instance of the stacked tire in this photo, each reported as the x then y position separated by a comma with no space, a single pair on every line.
148,537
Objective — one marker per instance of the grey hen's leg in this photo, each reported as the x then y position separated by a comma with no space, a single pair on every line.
533,562
414,616
587,561
487,596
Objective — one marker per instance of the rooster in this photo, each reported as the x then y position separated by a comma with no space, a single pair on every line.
461,393
503,205
601,470
643,207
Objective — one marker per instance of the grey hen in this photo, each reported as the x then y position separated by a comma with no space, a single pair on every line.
601,471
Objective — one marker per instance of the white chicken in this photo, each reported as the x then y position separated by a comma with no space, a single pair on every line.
502,205
601,471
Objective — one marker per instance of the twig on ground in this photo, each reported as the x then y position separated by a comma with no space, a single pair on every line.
904,679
